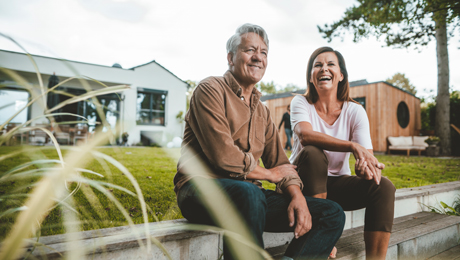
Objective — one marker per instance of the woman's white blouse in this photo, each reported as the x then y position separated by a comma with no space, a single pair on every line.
352,125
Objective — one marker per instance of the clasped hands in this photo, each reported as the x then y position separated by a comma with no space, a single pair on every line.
367,166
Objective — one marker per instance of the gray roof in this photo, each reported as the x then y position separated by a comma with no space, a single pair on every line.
99,65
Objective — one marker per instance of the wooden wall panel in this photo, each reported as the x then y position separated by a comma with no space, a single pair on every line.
382,101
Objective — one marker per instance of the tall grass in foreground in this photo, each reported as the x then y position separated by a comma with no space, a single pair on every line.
52,183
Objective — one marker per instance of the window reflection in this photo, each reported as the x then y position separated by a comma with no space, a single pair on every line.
110,105
150,108
11,101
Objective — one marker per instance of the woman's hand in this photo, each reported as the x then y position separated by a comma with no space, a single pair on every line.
367,166
279,172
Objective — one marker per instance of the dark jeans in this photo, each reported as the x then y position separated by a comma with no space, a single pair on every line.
266,210
288,132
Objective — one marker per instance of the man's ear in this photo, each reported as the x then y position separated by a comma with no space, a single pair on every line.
230,58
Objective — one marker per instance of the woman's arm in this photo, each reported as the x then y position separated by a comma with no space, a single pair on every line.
307,136
367,166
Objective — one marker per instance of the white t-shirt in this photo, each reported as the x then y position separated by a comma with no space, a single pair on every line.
352,125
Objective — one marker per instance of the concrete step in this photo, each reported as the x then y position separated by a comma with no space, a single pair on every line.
416,236
122,243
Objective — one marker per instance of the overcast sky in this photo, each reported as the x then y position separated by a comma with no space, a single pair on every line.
188,37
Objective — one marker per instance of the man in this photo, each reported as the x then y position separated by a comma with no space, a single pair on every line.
227,131
287,127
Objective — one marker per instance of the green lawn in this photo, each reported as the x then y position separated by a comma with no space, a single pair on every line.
154,170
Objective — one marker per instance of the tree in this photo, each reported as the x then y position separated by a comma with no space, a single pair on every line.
406,23
400,81
266,88
192,85
289,88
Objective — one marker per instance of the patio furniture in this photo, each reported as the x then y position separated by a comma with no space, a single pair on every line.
38,136
80,132
407,143
18,137
63,133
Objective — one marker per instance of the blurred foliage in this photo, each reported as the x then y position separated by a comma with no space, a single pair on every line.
269,88
428,111
399,80
152,168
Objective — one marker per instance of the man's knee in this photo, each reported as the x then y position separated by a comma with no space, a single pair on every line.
248,197
334,215
329,213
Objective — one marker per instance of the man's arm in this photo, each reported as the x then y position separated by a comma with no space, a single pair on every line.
207,118
274,156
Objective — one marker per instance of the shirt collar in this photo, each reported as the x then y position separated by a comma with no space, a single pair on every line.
236,88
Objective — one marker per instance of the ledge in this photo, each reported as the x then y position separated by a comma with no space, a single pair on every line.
122,243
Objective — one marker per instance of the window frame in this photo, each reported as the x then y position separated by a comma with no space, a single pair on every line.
151,93
29,108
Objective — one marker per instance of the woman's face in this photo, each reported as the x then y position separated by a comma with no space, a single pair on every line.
325,73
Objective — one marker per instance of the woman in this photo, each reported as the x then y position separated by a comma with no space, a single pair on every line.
328,126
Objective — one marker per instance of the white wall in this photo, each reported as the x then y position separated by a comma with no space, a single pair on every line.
148,76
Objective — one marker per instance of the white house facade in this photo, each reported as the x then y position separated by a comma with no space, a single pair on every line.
147,110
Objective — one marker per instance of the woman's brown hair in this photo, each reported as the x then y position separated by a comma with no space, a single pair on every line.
344,87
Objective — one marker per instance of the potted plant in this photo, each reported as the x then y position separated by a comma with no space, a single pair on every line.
432,140
124,138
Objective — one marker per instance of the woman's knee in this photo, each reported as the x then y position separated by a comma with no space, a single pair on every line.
312,153
386,189
312,166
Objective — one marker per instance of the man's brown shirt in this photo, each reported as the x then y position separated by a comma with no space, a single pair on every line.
225,138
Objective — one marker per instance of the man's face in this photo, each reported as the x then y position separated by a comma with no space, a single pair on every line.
249,62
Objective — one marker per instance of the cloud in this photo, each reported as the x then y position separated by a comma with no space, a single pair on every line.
129,11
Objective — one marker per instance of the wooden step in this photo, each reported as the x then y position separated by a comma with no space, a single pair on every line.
416,236
451,254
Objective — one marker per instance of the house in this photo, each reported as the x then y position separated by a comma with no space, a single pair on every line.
391,111
146,111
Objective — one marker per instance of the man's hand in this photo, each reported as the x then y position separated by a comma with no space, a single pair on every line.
298,212
279,172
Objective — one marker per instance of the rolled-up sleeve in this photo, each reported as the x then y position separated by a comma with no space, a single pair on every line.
207,118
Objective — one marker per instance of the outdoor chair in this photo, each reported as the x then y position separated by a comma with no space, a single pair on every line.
18,137
81,132
38,136
62,133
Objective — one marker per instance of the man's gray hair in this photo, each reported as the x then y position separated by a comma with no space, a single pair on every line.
235,40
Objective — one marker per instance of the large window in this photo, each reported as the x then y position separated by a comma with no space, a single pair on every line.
151,107
110,105
11,101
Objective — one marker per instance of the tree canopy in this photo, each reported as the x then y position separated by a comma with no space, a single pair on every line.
399,80
268,88
403,24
